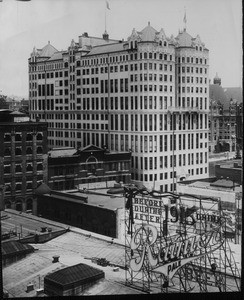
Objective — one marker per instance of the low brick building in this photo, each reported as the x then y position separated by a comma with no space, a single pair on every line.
233,173
68,167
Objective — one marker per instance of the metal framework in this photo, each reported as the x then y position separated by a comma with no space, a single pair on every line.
162,229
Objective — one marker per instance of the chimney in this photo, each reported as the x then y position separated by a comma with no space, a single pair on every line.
105,36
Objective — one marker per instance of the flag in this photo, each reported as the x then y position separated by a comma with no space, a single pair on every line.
107,5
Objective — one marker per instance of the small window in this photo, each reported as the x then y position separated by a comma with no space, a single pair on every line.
18,151
39,167
39,137
29,168
7,152
18,168
39,150
7,138
29,137
28,150
18,137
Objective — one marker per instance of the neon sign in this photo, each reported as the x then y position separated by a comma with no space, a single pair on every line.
169,258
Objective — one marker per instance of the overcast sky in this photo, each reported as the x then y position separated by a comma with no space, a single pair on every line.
24,25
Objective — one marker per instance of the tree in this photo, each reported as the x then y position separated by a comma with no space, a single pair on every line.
3,103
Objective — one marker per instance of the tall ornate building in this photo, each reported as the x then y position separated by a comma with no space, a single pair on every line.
148,94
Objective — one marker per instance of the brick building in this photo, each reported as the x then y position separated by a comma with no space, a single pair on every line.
69,168
23,158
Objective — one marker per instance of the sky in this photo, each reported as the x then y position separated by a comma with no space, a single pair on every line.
24,25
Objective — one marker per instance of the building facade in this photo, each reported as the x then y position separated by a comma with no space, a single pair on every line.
225,118
69,168
148,95
23,159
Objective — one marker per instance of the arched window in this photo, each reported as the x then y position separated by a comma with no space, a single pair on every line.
28,150
39,167
145,55
7,204
7,138
29,168
29,204
18,137
29,137
18,206
39,137
39,150
160,43
91,164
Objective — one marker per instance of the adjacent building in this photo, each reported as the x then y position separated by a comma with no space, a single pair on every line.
91,210
71,281
148,95
225,117
23,158
69,168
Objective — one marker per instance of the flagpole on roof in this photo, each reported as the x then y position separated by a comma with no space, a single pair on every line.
107,7
184,20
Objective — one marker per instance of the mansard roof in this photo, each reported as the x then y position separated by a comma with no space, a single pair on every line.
48,50
56,56
148,34
184,39
107,48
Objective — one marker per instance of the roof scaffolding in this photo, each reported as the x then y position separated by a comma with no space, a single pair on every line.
177,243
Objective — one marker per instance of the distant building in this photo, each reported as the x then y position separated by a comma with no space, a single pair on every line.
233,173
225,190
23,158
69,168
71,281
225,117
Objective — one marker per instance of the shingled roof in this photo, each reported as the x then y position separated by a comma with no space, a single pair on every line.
80,273
184,39
10,248
148,34
48,50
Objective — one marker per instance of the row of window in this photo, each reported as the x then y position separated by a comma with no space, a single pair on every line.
164,162
19,151
18,168
19,136
163,176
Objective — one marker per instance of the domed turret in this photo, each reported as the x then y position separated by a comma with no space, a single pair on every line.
217,80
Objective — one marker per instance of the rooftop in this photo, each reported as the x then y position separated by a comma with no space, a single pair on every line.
60,152
15,247
72,274
74,247
99,197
